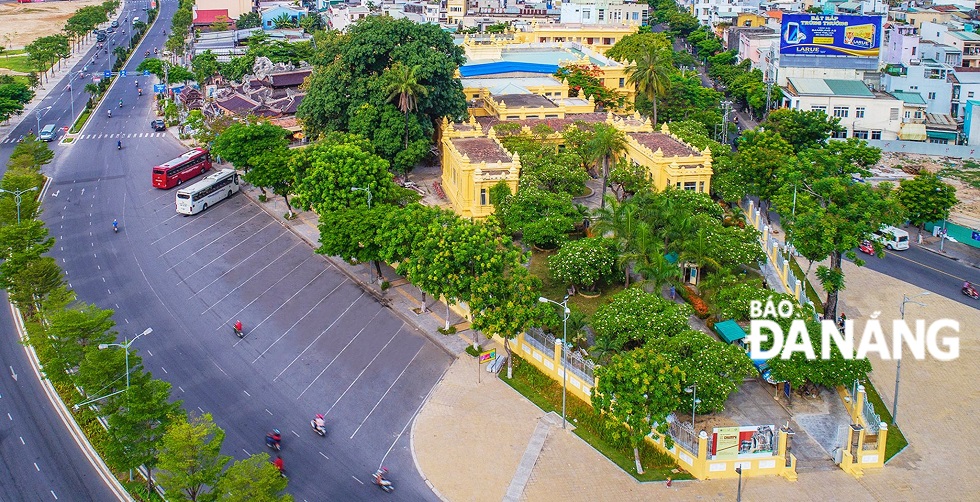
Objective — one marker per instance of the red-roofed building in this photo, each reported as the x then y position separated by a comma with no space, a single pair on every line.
207,17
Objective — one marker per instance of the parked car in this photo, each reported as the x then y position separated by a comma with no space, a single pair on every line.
110,30
114,24
100,37
158,125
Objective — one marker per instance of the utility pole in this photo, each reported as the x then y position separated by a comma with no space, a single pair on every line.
770,77
726,108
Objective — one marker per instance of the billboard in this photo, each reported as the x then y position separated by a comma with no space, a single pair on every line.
731,443
823,35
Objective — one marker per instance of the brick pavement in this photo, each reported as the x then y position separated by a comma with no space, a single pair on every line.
469,437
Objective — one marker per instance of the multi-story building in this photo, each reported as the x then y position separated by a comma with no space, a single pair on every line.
899,44
953,34
864,113
756,45
591,12
599,38
923,77
966,87
711,12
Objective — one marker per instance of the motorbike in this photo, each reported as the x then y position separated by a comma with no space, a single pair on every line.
971,292
110,113
119,145
237,328
321,430
273,442
867,248
139,91
115,227
379,480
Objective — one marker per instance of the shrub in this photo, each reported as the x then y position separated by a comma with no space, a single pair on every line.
699,306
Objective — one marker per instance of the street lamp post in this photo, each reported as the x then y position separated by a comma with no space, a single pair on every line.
898,369
564,352
125,346
17,198
359,189
71,96
38,113
694,402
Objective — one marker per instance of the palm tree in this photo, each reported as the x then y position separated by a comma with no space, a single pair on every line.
405,87
606,144
651,75
92,90
698,250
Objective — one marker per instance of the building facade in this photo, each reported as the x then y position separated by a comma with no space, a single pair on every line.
863,113
593,12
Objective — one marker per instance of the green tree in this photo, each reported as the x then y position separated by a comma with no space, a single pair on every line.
33,152
136,430
585,262
103,373
651,75
283,21
190,459
505,302
240,143
632,47
405,88
802,129
607,143
72,331
833,214
355,72
760,154
542,219
253,479
24,243
926,198
248,20
636,391
270,169
352,234
205,67
635,318
716,368
328,173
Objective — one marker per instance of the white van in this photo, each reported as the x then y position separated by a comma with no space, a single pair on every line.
892,238
48,133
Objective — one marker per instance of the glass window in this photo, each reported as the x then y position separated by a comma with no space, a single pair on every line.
818,108
859,112
861,134
918,114
839,135
622,82
932,95
483,196
969,94
875,134
690,185
841,111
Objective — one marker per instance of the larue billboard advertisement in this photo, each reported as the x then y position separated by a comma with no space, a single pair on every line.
823,35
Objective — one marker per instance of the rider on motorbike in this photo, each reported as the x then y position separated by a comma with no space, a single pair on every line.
238,326
318,422
110,112
273,438
115,225
119,145
279,463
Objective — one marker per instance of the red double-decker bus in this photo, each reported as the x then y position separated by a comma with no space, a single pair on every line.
181,169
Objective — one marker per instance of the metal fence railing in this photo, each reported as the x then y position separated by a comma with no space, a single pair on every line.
683,434
540,340
583,367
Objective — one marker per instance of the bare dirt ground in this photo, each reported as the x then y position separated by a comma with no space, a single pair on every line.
22,23
962,175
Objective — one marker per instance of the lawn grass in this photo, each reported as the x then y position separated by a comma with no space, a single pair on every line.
896,441
13,52
77,126
556,291
546,394
19,64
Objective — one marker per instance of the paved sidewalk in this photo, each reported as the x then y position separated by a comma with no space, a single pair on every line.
472,433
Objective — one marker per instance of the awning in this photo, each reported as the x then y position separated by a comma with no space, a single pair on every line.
849,6
947,135
913,132
729,331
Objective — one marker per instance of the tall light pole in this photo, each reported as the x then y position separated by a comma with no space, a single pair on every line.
898,369
359,189
71,96
564,352
17,198
694,402
38,113
125,346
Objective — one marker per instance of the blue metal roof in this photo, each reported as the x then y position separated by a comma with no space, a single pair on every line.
476,70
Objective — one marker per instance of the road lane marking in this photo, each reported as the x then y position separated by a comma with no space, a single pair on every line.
22,440
164,370
300,290
263,294
205,229
269,412
366,366
246,393
233,267
342,314
36,467
218,238
181,388
926,266
337,356
358,480
387,391
148,351
271,262
324,456
55,495
412,418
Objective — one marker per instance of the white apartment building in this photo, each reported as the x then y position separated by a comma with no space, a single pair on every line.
953,34
924,77
591,12
863,113
710,12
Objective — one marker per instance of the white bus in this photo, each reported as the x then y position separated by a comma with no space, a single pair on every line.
207,192
892,238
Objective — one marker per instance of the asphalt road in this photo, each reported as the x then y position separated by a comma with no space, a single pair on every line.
39,459
925,270
316,343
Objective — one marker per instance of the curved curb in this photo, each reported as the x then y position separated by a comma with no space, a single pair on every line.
66,417
411,438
